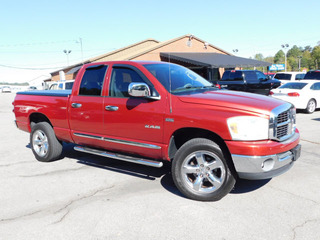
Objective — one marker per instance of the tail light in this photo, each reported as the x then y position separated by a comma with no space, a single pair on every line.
271,93
217,85
293,94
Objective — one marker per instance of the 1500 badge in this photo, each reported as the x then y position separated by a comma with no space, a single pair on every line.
152,126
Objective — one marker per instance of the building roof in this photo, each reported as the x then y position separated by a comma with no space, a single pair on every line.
213,60
162,44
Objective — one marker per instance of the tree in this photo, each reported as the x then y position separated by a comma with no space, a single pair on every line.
292,64
279,57
307,48
269,59
294,52
306,61
315,54
259,57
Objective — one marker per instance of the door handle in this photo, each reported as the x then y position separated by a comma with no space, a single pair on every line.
112,108
76,105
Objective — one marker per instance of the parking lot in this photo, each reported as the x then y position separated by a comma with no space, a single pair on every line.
90,197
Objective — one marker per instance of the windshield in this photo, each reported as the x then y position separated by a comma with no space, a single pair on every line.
180,79
294,85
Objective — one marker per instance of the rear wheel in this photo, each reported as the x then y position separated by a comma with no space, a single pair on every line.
201,172
311,106
44,144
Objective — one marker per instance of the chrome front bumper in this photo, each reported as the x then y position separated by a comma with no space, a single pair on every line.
264,167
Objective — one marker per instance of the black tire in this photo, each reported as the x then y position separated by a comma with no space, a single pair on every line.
311,106
201,172
44,144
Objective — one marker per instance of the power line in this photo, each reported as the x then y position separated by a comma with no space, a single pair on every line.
35,43
26,68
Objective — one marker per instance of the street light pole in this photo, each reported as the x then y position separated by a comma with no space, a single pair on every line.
299,59
285,46
67,52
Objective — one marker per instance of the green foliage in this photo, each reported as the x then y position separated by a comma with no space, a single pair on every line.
259,57
315,54
279,57
309,58
294,52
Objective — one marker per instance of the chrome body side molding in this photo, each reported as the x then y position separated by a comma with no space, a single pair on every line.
137,144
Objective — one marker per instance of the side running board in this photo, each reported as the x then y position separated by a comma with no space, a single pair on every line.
121,157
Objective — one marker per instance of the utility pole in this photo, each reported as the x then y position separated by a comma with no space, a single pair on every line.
285,46
299,59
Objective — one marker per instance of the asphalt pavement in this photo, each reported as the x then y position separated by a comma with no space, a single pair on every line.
89,197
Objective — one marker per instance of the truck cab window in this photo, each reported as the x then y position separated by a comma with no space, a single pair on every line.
92,81
120,79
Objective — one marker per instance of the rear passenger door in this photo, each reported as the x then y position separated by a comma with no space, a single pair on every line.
86,110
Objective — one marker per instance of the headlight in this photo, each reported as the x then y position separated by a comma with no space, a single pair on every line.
248,128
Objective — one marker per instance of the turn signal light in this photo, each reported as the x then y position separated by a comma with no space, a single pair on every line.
293,94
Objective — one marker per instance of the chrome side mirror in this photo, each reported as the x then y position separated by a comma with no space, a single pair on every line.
138,89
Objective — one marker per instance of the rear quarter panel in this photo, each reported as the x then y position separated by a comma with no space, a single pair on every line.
53,107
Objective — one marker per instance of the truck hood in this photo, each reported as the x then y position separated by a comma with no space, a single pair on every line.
233,99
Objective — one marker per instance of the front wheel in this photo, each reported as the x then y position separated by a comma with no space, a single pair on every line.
201,172
44,144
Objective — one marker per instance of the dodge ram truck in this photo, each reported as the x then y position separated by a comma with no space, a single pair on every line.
152,112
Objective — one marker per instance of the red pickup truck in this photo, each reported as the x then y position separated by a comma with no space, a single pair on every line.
151,112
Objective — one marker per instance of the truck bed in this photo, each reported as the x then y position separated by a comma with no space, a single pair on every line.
52,93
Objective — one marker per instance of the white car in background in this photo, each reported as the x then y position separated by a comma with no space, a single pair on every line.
302,94
6,89
62,85
284,77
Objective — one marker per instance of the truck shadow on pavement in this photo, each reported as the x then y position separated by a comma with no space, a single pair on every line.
149,173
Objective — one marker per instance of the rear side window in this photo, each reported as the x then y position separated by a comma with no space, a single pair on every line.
316,86
92,81
283,76
300,76
69,85
232,76
294,85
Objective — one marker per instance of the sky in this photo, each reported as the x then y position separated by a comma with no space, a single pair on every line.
34,33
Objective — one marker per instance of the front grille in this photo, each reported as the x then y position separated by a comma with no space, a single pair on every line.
282,131
282,122
283,117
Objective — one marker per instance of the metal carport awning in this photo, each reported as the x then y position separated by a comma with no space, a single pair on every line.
211,60
74,70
